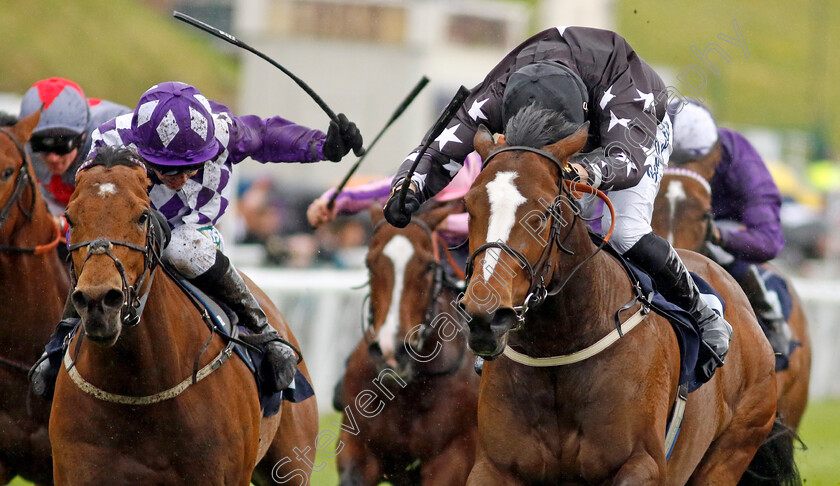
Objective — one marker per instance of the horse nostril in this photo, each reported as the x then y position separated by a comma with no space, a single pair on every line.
80,300
374,348
113,298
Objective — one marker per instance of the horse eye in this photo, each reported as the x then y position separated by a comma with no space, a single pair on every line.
68,220
8,173
142,219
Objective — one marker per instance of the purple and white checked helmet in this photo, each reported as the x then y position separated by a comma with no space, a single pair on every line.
172,126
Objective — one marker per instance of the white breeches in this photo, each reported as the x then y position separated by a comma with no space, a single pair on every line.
192,249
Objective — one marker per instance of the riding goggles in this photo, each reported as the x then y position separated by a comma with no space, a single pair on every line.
59,145
167,170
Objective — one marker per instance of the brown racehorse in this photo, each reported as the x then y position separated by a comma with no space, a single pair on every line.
33,287
415,362
682,215
601,419
125,416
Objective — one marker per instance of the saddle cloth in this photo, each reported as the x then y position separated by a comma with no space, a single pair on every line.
300,389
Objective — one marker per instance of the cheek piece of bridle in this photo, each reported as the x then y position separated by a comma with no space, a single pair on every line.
538,290
23,179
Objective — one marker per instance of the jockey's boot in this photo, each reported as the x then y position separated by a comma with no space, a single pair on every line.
655,255
778,330
223,282
44,372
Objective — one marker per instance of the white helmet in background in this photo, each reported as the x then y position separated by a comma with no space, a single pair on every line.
695,130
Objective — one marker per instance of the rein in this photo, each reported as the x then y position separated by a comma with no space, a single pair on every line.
23,179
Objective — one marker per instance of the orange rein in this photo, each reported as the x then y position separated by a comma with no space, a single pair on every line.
455,267
579,187
41,249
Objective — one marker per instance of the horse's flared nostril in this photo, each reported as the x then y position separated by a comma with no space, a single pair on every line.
80,300
113,299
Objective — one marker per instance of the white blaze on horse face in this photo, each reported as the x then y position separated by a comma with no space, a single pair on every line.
106,189
399,250
504,200
675,195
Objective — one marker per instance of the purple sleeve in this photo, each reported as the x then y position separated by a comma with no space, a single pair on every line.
273,140
354,199
744,191
458,224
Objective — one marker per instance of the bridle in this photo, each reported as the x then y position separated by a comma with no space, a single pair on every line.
133,299
440,281
23,180
541,271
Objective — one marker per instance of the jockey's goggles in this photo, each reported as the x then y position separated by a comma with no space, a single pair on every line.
59,144
169,170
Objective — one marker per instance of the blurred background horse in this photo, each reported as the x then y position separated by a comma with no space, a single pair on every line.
414,358
33,287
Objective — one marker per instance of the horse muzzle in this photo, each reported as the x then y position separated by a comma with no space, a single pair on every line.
100,313
488,332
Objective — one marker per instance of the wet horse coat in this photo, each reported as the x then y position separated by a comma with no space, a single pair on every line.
208,433
682,213
603,419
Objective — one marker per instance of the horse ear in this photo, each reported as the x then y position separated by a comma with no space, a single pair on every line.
24,128
570,145
376,214
483,142
435,216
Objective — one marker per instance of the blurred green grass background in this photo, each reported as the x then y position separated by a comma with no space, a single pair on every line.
819,464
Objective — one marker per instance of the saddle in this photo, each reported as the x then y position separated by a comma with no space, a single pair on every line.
224,321
692,355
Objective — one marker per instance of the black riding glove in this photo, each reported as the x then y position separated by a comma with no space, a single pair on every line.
341,137
397,216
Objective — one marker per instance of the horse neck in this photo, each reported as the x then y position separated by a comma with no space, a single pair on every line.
156,353
582,311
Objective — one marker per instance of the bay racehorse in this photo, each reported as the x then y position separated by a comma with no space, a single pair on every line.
410,388
129,407
33,287
582,411
682,214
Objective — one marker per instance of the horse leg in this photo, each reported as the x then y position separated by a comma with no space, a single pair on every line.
641,468
290,458
357,466
485,473
730,454
452,465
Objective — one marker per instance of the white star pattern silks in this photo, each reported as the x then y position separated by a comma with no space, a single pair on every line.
606,98
168,128
475,110
448,135
646,97
614,120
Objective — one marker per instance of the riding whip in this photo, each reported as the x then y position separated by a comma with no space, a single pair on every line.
400,109
443,120
238,43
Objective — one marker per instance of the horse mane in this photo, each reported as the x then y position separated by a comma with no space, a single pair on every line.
535,126
111,156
